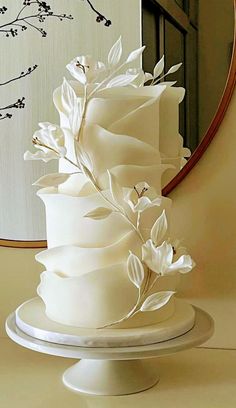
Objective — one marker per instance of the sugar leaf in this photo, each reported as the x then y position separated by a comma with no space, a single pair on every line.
159,67
53,179
99,213
69,98
115,53
135,54
75,119
159,229
121,80
156,301
135,270
116,189
174,68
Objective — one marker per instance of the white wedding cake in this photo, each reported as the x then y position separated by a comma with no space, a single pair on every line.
110,262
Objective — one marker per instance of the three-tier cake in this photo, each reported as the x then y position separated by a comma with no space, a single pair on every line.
110,262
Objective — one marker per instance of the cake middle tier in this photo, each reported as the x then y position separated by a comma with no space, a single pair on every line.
67,225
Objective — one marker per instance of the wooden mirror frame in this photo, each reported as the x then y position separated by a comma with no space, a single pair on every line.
195,157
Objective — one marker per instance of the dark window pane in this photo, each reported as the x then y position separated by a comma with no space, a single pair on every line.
174,53
192,89
150,38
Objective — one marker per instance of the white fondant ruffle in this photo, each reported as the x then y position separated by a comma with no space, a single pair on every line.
71,260
99,297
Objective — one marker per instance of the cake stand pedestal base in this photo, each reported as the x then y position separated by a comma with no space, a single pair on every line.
114,370
111,377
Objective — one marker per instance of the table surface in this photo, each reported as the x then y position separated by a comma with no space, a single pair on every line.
197,378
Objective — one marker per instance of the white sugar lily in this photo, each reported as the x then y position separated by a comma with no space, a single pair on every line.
50,137
160,259
85,69
141,197
178,248
50,142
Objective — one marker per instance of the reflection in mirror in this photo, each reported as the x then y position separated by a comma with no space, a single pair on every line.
198,33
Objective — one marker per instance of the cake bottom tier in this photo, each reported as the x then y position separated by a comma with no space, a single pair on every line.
100,298
31,319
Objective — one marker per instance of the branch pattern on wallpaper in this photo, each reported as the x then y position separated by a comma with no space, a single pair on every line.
29,16
37,11
100,17
19,104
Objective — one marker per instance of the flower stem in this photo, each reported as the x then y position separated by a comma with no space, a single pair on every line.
36,141
117,209
133,311
149,287
83,114
153,283
107,79
159,79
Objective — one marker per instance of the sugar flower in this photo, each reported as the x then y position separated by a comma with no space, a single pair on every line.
141,197
50,141
85,69
159,259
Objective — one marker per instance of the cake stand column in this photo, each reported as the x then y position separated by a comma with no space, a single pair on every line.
111,377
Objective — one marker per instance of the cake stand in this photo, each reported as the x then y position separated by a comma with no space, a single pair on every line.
114,370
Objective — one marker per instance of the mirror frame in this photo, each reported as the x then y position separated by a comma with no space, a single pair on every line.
195,157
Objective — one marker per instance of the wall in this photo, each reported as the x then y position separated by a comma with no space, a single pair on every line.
19,278
204,207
